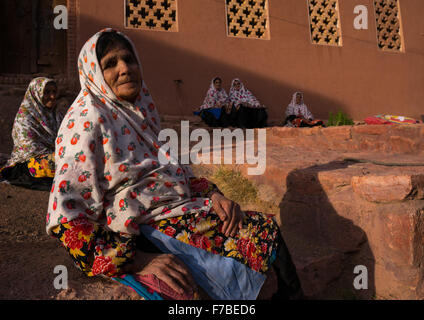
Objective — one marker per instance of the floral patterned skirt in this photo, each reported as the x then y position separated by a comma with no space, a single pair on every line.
96,251
35,174
99,252
256,245
42,167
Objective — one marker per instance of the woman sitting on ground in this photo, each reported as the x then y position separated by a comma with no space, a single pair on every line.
249,112
34,133
215,103
122,212
298,115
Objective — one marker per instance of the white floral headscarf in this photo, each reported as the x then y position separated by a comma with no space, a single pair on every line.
35,126
107,166
242,95
298,109
214,96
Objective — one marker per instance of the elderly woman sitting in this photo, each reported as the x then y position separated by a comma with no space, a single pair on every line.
298,114
249,111
121,213
215,105
31,164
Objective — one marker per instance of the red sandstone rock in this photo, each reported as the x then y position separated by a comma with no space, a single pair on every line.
361,213
317,270
389,188
404,145
407,131
370,130
399,250
337,133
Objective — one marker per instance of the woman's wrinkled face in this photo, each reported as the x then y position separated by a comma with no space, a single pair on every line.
50,95
217,84
298,98
122,73
237,85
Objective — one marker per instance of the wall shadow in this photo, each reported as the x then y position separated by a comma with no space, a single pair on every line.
162,71
318,237
183,76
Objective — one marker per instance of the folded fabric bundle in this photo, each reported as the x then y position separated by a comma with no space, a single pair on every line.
390,119
150,287
159,286
139,288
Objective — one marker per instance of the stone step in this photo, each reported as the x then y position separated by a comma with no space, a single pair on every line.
318,266
348,213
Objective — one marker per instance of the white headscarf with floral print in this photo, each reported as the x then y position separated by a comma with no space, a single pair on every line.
107,166
296,109
214,96
242,96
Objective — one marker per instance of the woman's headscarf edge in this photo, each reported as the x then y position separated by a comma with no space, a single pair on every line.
84,77
87,79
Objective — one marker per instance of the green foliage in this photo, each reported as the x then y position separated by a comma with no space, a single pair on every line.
340,119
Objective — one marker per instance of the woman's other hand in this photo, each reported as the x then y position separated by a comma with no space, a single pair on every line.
227,108
229,212
165,267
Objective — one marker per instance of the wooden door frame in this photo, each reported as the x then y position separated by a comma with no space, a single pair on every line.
72,54
70,76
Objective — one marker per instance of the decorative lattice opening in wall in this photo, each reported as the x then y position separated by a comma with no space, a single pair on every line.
160,15
247,19
389,25
324,19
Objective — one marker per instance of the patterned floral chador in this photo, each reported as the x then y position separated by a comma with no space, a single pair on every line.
298,114
34,132
110,189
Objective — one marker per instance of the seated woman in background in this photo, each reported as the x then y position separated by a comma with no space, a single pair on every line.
123,213
215,103
34,133
250,113
298,115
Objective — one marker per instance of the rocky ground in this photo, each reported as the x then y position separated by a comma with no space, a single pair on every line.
334,213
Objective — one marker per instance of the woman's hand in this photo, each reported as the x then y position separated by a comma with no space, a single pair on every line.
227,108
229,212
167,268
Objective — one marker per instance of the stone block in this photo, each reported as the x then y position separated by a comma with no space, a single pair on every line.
389,188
